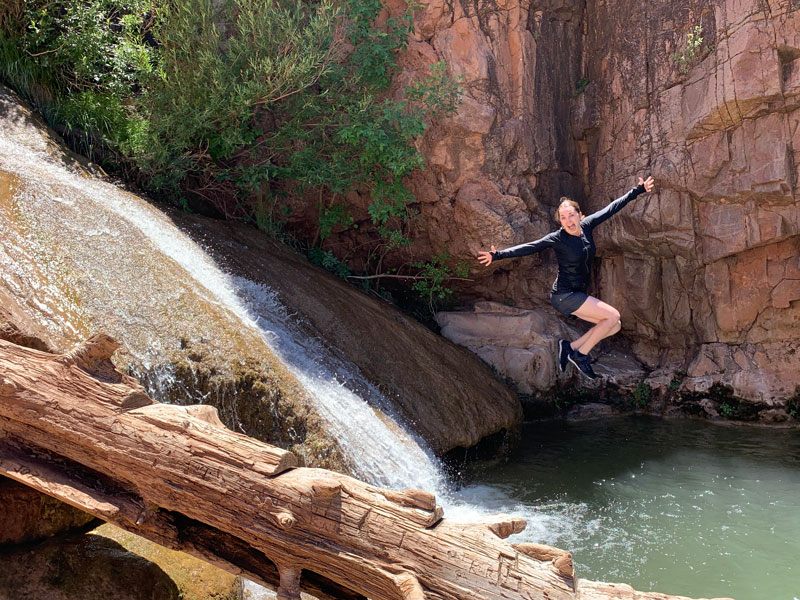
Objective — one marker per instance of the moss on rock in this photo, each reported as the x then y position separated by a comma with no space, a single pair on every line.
109,563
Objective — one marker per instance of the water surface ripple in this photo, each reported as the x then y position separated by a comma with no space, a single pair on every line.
678,507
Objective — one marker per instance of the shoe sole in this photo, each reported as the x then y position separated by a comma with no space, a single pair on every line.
558,358
589,377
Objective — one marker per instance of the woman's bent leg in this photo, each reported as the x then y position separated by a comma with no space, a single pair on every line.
582,340
606,319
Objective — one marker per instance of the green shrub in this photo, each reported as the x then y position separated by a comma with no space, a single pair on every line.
77,62
238,104
641,395
432,278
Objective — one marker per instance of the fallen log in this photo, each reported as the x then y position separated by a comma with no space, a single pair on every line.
74,428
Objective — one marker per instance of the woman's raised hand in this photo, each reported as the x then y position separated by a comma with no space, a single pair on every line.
649,184
485,258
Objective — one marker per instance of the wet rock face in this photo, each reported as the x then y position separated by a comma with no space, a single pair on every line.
579,99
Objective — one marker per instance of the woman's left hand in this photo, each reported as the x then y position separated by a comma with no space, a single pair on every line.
649,184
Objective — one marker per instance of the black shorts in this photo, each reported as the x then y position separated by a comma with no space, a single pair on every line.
567,302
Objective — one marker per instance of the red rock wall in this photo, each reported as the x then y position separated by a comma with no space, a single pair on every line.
712,259
707,266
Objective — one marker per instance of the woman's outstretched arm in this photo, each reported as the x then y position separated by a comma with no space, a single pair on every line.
486,258
593,220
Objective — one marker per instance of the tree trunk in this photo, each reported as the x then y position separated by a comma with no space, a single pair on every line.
73,427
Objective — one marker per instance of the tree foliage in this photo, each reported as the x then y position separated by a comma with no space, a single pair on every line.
239,103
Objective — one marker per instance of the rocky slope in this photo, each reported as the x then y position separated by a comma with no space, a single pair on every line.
580,98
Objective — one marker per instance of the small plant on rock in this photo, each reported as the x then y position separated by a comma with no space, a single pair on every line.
727,410
580,87
731,406
677,378
793,404
641,395
691,53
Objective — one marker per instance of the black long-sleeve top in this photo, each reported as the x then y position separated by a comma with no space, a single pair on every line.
574,253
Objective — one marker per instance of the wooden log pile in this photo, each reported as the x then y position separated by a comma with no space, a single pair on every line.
73,427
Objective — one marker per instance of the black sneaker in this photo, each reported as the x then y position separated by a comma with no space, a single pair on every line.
584,364
563,354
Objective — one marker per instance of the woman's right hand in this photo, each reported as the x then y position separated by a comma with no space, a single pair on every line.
485,258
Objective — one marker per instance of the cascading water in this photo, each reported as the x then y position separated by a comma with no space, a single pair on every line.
379,451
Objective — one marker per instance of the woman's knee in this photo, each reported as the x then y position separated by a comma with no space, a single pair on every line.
611,318
597,311
612,322
616,328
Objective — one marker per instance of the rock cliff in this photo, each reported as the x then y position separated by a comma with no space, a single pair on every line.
580,98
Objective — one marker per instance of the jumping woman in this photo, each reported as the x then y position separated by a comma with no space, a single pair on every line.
575,250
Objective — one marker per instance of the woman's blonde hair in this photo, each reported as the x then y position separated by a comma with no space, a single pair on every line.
569,202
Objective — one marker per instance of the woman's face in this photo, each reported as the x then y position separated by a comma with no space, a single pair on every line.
570,219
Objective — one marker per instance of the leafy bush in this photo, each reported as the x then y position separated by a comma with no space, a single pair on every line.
78,62
433,275
210,100
237,104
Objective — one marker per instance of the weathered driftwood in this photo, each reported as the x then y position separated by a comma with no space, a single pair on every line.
74,428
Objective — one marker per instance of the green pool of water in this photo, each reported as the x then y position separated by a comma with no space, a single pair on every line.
678,507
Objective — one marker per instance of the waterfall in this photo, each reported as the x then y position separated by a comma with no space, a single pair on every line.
378,450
